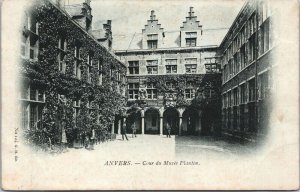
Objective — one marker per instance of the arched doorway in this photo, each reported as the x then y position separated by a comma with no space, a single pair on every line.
207,119
152,121
134,117
189,122
117,123
171,116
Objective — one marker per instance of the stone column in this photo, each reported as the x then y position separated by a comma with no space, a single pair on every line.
119,127
199,122
180,125
143,121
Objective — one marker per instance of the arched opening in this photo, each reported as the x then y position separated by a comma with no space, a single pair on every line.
190,122
171,116
117,123
208,119
152,121
134,117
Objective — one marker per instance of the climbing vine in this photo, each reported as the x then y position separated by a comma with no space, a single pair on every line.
104,99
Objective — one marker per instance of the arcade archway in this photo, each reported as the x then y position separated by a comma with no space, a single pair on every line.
152,121
190,122
134,117
171,116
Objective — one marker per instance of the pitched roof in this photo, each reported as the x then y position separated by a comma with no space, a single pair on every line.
210,37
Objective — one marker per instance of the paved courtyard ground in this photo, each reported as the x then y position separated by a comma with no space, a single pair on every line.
193,147
132,163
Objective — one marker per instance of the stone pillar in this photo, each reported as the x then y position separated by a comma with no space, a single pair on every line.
180,125
199,122
143,121
161,126
119,127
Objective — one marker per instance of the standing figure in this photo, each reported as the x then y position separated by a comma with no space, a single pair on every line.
123,131
133,129
168,130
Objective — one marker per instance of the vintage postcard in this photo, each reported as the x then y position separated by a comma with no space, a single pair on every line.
159,95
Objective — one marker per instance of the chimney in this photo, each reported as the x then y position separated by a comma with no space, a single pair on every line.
88,2
107,26
152,16
191,13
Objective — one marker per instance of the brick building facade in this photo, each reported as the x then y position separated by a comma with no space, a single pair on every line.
166,71
247,68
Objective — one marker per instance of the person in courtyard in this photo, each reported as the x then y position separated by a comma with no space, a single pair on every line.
86,141
168,130
123,131
92,139
133,129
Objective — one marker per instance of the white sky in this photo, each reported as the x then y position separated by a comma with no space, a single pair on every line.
130,16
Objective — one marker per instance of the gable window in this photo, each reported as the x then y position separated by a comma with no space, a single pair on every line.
133,67
133,90
151,91
191,38
152,67
152,41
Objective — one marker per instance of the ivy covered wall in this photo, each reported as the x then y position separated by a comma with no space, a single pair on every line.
100,102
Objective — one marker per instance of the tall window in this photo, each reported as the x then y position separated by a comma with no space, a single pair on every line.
133,67
251,90
133,90
33,51
171,66
235,96
77,52
152,67
251,50
243,56
100,68
191,65
263,85
77,70
89,68
30,43
32,109
243,93
152,41
151,91
76,109
264,37
191,38
62,47
189,90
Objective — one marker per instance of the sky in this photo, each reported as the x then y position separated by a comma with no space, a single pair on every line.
130,16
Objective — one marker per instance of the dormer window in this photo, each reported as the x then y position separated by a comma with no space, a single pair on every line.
191,39
152,41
